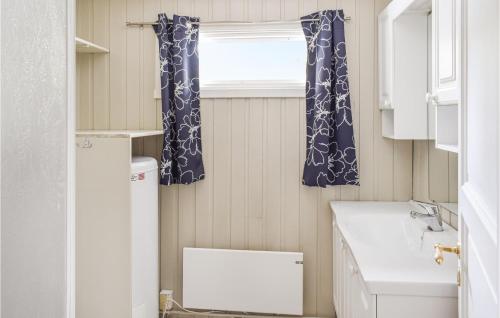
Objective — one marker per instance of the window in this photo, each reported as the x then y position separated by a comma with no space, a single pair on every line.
252,60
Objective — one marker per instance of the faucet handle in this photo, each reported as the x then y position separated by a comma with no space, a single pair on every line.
430,208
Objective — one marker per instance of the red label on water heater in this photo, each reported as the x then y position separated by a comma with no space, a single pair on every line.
138,176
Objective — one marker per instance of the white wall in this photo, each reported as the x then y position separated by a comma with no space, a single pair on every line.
33,158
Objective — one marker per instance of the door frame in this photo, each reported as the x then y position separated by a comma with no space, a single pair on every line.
70,158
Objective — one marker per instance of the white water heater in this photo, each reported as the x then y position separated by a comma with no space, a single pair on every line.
145,283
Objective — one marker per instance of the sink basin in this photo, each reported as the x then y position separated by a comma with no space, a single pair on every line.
393,251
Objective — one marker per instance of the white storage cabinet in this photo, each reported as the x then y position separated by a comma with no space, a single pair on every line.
419,53
116,227
403,69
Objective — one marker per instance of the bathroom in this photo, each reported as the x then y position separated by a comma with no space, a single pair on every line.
422,95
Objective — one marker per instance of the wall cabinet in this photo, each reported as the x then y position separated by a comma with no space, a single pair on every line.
419,78
445,94
403,70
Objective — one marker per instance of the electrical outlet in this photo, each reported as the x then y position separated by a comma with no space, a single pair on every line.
166,300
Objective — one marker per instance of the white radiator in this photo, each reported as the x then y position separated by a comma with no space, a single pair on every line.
244,281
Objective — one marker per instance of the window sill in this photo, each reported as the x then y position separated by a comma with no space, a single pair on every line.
253,89
249,89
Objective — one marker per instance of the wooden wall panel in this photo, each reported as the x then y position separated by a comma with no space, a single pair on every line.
253,148
435,173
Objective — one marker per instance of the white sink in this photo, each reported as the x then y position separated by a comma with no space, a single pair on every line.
394,252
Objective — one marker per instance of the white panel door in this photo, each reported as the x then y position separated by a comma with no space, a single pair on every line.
479,160
445,57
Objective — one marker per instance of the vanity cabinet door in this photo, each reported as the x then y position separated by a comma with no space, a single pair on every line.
445,55
363,304
338,275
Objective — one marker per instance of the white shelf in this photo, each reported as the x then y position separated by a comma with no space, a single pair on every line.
119,133
448,147
84,46
447,127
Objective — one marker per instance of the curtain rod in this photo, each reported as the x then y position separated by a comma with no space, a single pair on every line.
131,24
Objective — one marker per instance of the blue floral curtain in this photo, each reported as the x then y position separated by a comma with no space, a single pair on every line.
181,160
330,153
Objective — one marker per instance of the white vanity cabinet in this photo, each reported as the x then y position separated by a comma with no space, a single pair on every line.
445,93
383,267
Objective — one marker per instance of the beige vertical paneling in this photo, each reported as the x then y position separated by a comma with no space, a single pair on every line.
168,237
150,104
220,10
435,173
255,170
85,91
205,188
308,6
149,47
438,175
169,7
133,64
403,156
253,148
202,9
222,173
421,170
117,65
291,178
272,174
84,65
255,10
327,4
290,9
367,75
186,228
271,10
85,18
238,173
101,66
290,160
452,177
237,10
